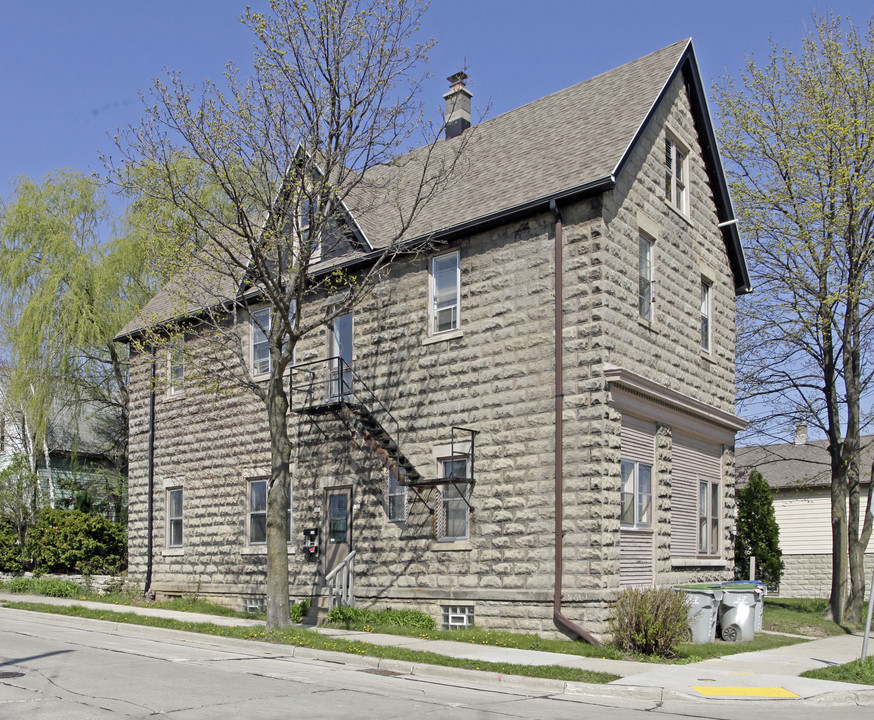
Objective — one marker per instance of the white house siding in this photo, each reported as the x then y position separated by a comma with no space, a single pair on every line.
804,519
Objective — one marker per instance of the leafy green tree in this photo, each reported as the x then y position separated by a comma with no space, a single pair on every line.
66,291
758,534
256,176
798,137
20,502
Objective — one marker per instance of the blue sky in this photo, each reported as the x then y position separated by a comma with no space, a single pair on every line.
70,71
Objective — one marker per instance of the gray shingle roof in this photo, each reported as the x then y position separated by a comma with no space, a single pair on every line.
550,148
787,465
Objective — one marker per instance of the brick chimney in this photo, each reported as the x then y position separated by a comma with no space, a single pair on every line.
457,105
801,435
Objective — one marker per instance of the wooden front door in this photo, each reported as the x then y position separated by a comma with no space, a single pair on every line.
339,526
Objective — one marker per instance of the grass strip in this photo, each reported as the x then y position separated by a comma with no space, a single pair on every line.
302,637
686,652
861,673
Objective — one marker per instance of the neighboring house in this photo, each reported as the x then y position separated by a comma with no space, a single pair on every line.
621,473
76,457
799,475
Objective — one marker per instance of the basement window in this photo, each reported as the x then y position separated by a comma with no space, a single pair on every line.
457,616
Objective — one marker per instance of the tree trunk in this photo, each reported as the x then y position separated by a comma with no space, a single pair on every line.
277,505
838,597
49,479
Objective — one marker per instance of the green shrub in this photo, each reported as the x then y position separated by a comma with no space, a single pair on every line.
352,616
298,610
649,621
52,587
757,532
71,541
10,549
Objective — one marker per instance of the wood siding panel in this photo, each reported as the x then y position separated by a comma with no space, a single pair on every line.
635,557
692,460
638,440
805,521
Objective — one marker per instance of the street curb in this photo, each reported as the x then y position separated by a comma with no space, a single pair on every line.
520,684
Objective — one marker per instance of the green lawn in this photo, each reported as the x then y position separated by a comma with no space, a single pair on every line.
853,672
801,616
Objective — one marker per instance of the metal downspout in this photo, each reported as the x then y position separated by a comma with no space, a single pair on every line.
151,471
557,614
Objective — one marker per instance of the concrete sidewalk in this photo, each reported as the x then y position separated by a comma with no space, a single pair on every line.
767,674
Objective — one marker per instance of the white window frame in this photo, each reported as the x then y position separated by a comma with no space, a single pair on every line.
453,496
454,303
174,520
645,277
250,512
304,227
706,314
395,492
636,493
676,174
176,366
709,503
260,328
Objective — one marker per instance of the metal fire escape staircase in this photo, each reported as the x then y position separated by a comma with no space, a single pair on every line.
330,387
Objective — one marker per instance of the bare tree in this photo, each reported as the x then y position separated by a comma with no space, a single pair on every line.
799,135
260,184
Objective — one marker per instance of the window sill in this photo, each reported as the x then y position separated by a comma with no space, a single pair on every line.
637,529
173,552
679,213
707,355
262,549
442,337
451,546
648,324
178,395
709,562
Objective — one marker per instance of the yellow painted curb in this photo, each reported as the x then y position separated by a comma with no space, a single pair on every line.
769,692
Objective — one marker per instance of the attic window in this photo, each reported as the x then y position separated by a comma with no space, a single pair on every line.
676,175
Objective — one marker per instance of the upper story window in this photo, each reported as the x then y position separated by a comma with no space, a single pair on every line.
636,494
645,278
176,365
174,517
307,211
260,343
258,512
445,292
705,315
676,173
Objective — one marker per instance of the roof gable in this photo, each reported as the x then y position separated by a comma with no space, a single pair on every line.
569,144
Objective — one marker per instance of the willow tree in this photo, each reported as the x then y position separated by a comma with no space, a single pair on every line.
66,289
265,175
798,134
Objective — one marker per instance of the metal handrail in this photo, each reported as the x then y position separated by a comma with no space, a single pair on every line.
344,590
359,392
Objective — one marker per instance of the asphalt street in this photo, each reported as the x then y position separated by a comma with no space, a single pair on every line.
72,668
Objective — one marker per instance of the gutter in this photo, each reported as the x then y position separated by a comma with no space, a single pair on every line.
559,617
150,513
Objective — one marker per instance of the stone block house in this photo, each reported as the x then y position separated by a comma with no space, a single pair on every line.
799,475
516,424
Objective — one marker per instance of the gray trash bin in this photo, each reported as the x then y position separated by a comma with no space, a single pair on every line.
737,613
761,590
703,602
